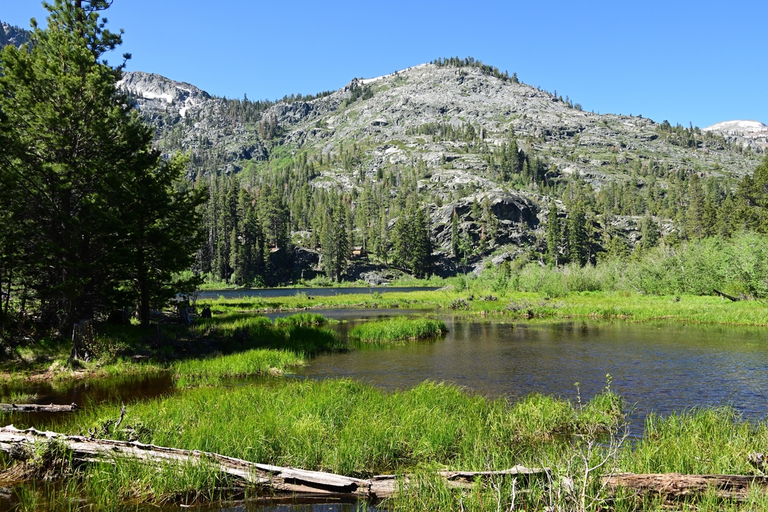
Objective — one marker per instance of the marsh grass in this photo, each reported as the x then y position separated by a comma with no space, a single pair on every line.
208,372
18,397
398,329
699,441
301,319
351,428
244,331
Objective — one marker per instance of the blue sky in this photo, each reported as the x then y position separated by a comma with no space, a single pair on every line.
684,61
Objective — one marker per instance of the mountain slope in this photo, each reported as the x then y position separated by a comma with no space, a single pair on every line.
10,34
390,125
457,135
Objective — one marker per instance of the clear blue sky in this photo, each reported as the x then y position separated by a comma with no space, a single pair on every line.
685,61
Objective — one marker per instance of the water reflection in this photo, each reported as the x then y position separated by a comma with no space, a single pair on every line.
656,367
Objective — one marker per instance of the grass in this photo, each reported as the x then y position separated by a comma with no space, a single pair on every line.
245,331
349,427
627,306
301,319
197,372
398,329
352,428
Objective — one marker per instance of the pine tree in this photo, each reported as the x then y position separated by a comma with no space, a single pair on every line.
78,174
578,237
554,235
455,234
650,232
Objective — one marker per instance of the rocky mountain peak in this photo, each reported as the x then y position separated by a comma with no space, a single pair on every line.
155,92
747,133
10,34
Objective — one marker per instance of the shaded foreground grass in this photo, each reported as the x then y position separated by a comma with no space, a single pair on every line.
398,329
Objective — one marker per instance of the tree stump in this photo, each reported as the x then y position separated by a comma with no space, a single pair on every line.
83,348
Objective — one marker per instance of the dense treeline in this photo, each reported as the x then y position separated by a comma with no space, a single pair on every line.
696,209
329,220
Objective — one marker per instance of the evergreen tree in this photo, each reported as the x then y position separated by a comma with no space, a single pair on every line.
554,235
650,232
79,178
455,234
578,237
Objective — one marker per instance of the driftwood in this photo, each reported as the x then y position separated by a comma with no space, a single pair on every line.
274,478
729,297
676,485
37,408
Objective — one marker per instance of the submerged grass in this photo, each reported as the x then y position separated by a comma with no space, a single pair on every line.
398,329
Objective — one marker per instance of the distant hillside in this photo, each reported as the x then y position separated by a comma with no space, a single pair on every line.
456,134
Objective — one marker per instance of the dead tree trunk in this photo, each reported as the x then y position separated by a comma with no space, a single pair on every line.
676,485
274,478
37,408
82,341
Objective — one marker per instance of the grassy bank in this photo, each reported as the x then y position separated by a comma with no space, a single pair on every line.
208,372
339,426
354,429
398,329
130,350
479,301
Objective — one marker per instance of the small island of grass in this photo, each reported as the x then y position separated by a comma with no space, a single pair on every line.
398,329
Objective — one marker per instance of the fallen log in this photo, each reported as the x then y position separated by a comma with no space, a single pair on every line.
676,485
37,408
729,297
275,478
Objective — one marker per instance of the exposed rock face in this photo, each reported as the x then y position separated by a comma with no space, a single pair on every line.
187,118
155,93
753,134
516,214
13,35
386,125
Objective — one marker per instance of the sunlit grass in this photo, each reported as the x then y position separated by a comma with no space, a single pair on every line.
398,329
210,371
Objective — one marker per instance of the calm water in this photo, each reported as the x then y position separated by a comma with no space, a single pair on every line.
314,292
657,367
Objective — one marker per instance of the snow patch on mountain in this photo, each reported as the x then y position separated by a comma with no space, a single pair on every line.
737,127
159,93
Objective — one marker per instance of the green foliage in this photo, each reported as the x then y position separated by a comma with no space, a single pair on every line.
301,319
398,329
197,372
92,216
471,62
353,428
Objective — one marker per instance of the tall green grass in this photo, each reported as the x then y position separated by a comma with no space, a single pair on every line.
352,428
301,319
244,331
196,372
398,329
701,441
